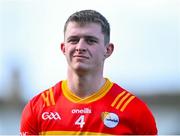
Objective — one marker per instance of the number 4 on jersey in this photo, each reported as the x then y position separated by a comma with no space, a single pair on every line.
80,121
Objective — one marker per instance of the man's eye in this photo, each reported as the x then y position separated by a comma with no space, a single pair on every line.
91,41
73,41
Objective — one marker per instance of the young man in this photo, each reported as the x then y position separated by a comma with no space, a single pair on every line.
86,103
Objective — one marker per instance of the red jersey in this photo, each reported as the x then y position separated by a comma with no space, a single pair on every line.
111,110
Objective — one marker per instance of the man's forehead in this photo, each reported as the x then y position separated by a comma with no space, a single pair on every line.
90,29
71,25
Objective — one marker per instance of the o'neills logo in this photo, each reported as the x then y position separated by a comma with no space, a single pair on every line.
110,119
81,111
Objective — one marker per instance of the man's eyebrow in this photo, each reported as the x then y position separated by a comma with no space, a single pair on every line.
91,37
71,37
84,36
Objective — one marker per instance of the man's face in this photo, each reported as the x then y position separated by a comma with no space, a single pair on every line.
84,47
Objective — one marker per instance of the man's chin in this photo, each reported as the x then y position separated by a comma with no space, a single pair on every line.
81,69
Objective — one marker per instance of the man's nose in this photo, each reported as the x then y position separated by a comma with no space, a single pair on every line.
81,46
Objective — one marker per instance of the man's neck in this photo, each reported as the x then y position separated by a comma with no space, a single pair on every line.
86,85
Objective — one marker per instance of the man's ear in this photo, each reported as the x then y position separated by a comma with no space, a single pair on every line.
109,50
63,47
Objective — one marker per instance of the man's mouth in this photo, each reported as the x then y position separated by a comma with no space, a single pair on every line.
81,56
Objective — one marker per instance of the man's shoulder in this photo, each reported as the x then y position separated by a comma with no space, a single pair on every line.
126,100
131,106
46,96
135,109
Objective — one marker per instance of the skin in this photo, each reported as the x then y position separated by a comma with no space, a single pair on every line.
85,52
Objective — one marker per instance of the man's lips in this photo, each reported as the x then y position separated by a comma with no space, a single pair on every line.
81,56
